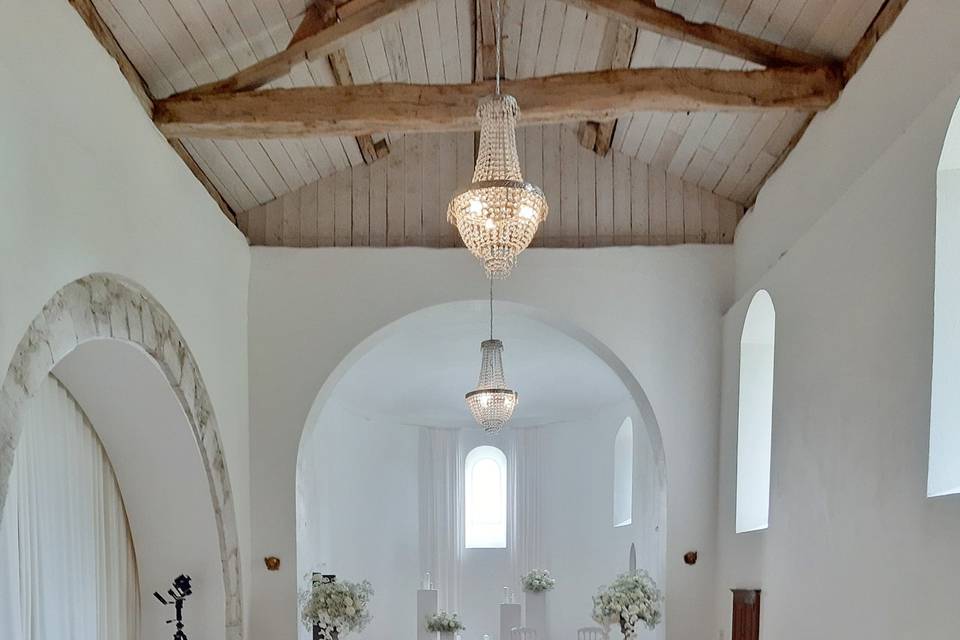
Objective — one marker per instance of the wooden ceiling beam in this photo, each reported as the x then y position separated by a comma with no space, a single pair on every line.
615,53
366,16
881,23
598,95
94,21
320,15
647,16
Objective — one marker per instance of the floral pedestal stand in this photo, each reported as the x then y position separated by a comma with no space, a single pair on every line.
535,611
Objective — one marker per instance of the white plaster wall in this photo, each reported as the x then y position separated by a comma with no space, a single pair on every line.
658,309
360,492
87,185
581,547
843,238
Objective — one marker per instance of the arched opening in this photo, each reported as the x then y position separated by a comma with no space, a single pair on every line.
485,498
67,565
623,474
124,361
755,420
391,422
943,475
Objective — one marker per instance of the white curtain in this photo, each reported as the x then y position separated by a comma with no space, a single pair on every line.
441,512
523,502
67,568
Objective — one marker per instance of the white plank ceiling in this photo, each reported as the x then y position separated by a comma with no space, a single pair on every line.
402,200
179,44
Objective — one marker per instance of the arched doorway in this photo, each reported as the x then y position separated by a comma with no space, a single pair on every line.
388,436
102,307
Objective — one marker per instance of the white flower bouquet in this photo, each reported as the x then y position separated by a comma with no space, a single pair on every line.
337,606
632,599
444,622
537,581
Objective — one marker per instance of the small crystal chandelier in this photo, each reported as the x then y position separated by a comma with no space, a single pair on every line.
491,403
498,214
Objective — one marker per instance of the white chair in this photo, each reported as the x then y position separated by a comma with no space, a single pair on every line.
590,633
523,633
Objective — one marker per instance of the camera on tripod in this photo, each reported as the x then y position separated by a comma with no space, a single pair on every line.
181,589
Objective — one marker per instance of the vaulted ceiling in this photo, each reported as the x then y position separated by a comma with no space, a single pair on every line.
669,152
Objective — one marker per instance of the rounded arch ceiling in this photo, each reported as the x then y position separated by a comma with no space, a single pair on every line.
420,373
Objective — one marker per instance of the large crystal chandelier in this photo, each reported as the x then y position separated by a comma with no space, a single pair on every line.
498,214
491,403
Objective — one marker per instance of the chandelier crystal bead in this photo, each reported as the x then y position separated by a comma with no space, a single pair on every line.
499,213
492,403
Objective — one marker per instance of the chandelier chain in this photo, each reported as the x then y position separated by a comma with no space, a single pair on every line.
499,44
491,308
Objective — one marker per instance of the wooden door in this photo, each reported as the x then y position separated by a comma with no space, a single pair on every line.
746,614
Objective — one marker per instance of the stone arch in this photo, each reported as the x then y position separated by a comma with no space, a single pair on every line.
107,307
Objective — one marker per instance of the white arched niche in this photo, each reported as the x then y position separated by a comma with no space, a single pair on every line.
91,332
943,476
145,433
755,414
362,467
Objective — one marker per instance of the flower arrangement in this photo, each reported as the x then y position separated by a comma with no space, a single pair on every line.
538,581
631,599
444,622
339,607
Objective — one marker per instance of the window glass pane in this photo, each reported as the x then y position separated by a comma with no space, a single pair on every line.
485,494
623,475
943,475
755,420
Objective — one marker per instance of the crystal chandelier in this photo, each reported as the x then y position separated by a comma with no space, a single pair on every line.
498,214
491,403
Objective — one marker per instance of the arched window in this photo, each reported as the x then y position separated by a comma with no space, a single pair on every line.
755,423
943,473
623,474
485,497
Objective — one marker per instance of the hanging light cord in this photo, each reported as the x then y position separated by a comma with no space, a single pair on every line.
491,308
499,42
